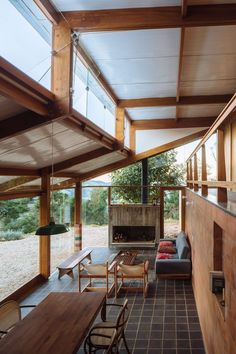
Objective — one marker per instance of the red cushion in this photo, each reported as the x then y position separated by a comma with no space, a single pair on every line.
166,249
163,256
166,243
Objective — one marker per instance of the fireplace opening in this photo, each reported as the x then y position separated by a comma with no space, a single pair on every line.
133,234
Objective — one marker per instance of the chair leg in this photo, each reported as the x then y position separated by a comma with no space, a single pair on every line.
125,343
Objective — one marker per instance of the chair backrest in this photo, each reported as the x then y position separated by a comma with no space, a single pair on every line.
122,318
96,269
10,314
132,270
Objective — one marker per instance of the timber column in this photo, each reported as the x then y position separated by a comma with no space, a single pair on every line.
78,218
45,241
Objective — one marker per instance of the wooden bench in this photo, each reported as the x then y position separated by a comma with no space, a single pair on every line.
66,267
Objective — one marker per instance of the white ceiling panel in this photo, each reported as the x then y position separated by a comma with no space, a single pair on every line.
218,67
152,113
127,91
210,110
149,139
210,40
132,44
132,71
215,87
34,148
96,163
75,5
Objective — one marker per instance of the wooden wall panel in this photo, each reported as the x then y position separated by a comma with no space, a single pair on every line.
218,332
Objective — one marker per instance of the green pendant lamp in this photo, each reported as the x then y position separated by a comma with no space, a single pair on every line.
52,228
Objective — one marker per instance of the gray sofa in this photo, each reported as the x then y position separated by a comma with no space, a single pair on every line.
180,265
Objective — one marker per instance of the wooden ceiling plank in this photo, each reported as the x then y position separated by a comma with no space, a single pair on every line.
171,101
149,124
135,158
48,10
15,182
180,68
151,17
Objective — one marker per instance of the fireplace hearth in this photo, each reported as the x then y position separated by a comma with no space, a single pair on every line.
134,225
133,234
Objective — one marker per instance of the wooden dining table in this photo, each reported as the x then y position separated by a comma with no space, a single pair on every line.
57,325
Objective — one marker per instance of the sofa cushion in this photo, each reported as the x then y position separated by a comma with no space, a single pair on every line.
166,249
166,243
164,256
182,246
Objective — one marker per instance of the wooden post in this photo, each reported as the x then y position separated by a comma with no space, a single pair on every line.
132,137
204,171
120,124
182,208
44,241
187,166
78,218
221,173
161,213
191,174
195,174
62,63
144,181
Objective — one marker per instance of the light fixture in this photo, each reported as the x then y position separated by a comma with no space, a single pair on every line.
52,228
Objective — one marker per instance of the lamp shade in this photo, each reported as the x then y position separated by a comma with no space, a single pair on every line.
51,229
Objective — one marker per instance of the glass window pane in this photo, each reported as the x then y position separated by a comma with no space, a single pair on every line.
211,158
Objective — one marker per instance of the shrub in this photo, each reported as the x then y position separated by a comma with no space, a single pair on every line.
11,235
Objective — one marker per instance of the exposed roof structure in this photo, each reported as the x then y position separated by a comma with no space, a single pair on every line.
168,66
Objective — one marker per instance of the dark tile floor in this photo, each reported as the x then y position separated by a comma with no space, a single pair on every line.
166,322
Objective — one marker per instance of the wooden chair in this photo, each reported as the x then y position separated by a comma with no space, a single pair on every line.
97,271
137,272
107,334
10,314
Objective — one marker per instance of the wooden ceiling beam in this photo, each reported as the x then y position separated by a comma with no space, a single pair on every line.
11,171
94,154
15,76
151,17
149,124
15,182
22,123
9,90
184,8
20,194
138,157
171,101
77,122
48,10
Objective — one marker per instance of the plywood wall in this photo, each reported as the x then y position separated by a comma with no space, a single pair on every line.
219,329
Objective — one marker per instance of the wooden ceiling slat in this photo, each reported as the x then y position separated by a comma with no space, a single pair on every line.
173,123
152,17
171,101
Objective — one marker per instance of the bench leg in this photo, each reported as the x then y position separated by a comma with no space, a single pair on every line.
62,272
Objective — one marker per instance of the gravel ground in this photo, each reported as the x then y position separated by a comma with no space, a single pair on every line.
19,260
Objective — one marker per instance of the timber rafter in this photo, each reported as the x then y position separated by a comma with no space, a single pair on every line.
151,17
173,123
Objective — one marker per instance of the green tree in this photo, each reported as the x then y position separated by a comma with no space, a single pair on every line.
95,209
163,170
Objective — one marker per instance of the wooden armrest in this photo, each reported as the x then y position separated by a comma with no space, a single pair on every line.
111,266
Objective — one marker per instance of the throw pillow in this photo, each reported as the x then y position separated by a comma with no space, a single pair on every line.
166,243
166,249
163,256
